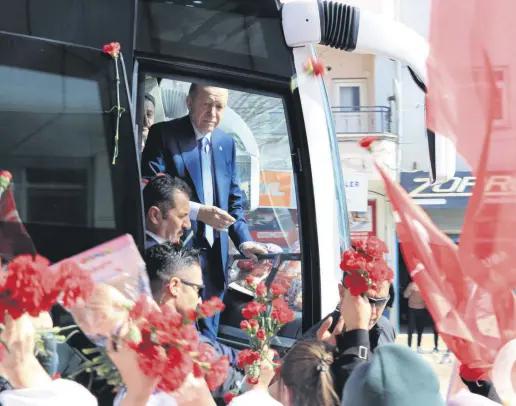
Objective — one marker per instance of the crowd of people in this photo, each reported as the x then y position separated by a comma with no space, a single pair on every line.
192,207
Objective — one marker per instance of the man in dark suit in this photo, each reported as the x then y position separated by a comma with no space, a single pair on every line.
193,149
166,202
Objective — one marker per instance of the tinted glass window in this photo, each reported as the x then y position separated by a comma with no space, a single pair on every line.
264,172
236,33
57,142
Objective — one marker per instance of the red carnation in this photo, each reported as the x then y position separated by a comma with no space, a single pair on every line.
281,312
244,325
376,247
366,142
249,280
7,175
261,289
242,358
75,282
356,283
253,309
187,337
113,49
319,68
28,287
152,359
253,323
218,372
210,307
228,397
191,315
141,309
351,261
251,380
179,365
377,271
277,289
198,370
206,353
260,335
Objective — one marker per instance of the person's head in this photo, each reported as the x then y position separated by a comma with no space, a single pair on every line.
305,378
166,202
378,299
206,106
396,375
149,111
176,276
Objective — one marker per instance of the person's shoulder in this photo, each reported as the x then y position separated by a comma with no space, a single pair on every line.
387,331
222,135
170,124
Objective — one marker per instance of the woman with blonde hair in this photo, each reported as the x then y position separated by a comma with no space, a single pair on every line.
305,379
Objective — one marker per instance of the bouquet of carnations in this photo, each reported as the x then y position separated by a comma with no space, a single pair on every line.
264,318
168,344
31,286
365,266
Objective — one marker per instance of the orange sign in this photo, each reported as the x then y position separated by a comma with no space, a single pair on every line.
276,189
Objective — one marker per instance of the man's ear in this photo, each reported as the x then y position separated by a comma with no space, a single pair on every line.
155,215
189,102
173,287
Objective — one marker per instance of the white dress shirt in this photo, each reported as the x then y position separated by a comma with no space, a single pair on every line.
159,239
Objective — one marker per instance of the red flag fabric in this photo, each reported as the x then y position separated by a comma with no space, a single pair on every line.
467,316
14,239
471,95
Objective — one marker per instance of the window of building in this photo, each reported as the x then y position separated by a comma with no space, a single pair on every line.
349,115
57,142
264,172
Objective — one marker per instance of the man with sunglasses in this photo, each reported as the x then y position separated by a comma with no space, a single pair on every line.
356,328
176,281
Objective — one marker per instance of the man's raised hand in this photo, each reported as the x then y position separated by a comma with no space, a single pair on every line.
215,217
323,334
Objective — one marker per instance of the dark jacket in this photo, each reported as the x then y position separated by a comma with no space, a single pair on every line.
483,388
347,351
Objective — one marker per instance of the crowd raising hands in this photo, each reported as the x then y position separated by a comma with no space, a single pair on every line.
348,359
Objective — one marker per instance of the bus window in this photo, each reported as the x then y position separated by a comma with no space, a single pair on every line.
258,125
57,142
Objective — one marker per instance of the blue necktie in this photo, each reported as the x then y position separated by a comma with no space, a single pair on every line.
207,182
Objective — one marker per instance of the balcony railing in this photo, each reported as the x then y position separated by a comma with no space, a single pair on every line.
362,120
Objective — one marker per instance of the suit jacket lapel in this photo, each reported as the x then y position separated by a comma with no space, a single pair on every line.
190,154
219,162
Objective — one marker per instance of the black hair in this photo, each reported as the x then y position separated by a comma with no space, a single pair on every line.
150,98
164,261
160,191
193,90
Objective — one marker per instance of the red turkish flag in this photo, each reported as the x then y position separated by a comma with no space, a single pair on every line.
471,96
468,318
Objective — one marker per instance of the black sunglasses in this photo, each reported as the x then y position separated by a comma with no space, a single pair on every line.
200,288
378,301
